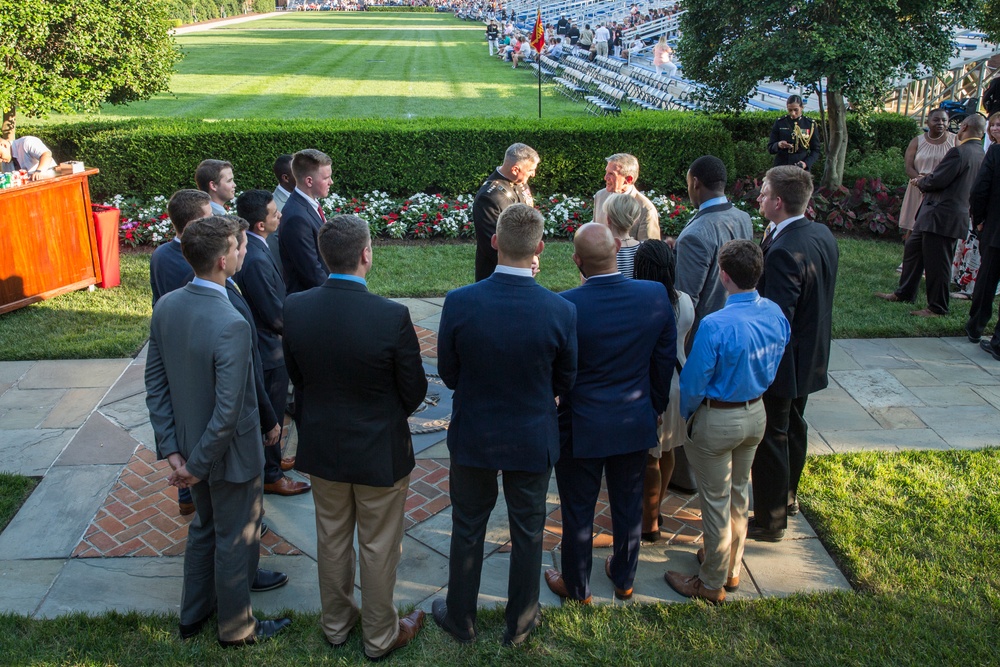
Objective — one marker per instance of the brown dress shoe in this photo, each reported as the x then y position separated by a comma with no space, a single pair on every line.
692,587
287,463
888,296
185,508
409,626
286,486
732,583
555,582
925,312
621,594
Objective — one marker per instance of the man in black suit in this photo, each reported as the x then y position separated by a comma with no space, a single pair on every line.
985,205
943,218
507,347
508,184
264,292
302,218
800,274
356,359
168,270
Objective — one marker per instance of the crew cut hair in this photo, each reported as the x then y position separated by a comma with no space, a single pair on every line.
342,239
520,153
793,185
186,206
206,240
519,229
710,171
307,162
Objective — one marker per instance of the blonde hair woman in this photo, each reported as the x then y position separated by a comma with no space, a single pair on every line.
661,58
623,211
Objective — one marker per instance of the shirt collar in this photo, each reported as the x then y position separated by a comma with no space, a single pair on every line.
713,202
513,271
308,198
256,236
201,282
348,276
177,239
780,227
742,296
287,193
605,275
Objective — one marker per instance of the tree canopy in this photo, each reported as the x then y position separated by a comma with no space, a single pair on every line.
74,55
859,47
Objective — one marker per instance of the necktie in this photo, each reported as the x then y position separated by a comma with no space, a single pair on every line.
768,238
319,209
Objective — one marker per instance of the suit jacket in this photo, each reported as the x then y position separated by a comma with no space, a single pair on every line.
268,419
984,200
264,291
494,195
356,359
272,241
280,197
945,209
800,274
168,270
507,346
697,249
628,349
199,386
648,225
299,246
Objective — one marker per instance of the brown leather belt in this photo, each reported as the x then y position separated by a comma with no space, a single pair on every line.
715,403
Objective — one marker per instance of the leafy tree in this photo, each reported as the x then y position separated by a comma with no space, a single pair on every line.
73,55
857,46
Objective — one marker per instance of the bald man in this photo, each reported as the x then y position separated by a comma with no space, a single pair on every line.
627,346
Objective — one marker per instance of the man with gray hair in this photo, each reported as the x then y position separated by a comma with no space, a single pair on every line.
620,176
508,184
943,218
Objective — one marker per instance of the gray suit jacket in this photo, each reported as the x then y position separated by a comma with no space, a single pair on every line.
199,385
280,197
698,247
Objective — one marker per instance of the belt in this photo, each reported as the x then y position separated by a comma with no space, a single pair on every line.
715,403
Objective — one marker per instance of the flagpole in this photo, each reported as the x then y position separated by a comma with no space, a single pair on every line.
540,40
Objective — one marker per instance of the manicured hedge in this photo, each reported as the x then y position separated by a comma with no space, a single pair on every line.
188,11
448,156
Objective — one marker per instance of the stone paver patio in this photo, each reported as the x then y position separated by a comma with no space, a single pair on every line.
101,530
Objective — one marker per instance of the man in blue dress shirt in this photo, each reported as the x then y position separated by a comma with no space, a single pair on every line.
734,358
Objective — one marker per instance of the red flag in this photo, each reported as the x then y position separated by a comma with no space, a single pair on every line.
537,40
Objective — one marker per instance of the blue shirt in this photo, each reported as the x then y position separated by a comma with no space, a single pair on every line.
348,276
736,352
715,201
208,283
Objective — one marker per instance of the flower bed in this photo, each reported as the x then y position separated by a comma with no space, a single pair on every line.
420,216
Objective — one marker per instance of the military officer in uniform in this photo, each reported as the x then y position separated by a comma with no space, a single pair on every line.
794,139
508,184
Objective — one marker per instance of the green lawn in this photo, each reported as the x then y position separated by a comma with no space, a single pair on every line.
914,532
345,64
115,323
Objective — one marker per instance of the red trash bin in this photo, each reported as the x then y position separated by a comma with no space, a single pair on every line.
106,225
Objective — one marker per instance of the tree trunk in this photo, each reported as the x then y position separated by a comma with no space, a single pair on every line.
7,129
836,108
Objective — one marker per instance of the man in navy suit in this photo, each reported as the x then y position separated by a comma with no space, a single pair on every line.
507,346
608,421
264,292
302,218
168,270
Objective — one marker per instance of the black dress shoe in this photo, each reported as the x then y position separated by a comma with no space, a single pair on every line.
793,509
268,580
439,610
987,346
755,532
264,631
973,338
192,629
510,639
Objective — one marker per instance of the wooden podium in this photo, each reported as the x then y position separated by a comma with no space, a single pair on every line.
49,245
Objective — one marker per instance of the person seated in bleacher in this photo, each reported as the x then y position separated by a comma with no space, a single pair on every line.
661,58
556,50
521,52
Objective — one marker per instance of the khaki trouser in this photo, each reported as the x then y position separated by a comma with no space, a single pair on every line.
721,445
378,514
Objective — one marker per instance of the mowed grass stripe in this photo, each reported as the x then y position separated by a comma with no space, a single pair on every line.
345,65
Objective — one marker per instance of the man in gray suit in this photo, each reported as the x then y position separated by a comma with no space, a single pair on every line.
286,185
716,223
203,409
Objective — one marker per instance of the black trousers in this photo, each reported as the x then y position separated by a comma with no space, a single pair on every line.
986,288
276,384
474,493
778,463
930,254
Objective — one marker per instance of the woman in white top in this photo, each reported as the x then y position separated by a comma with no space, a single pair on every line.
654,260
622,212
